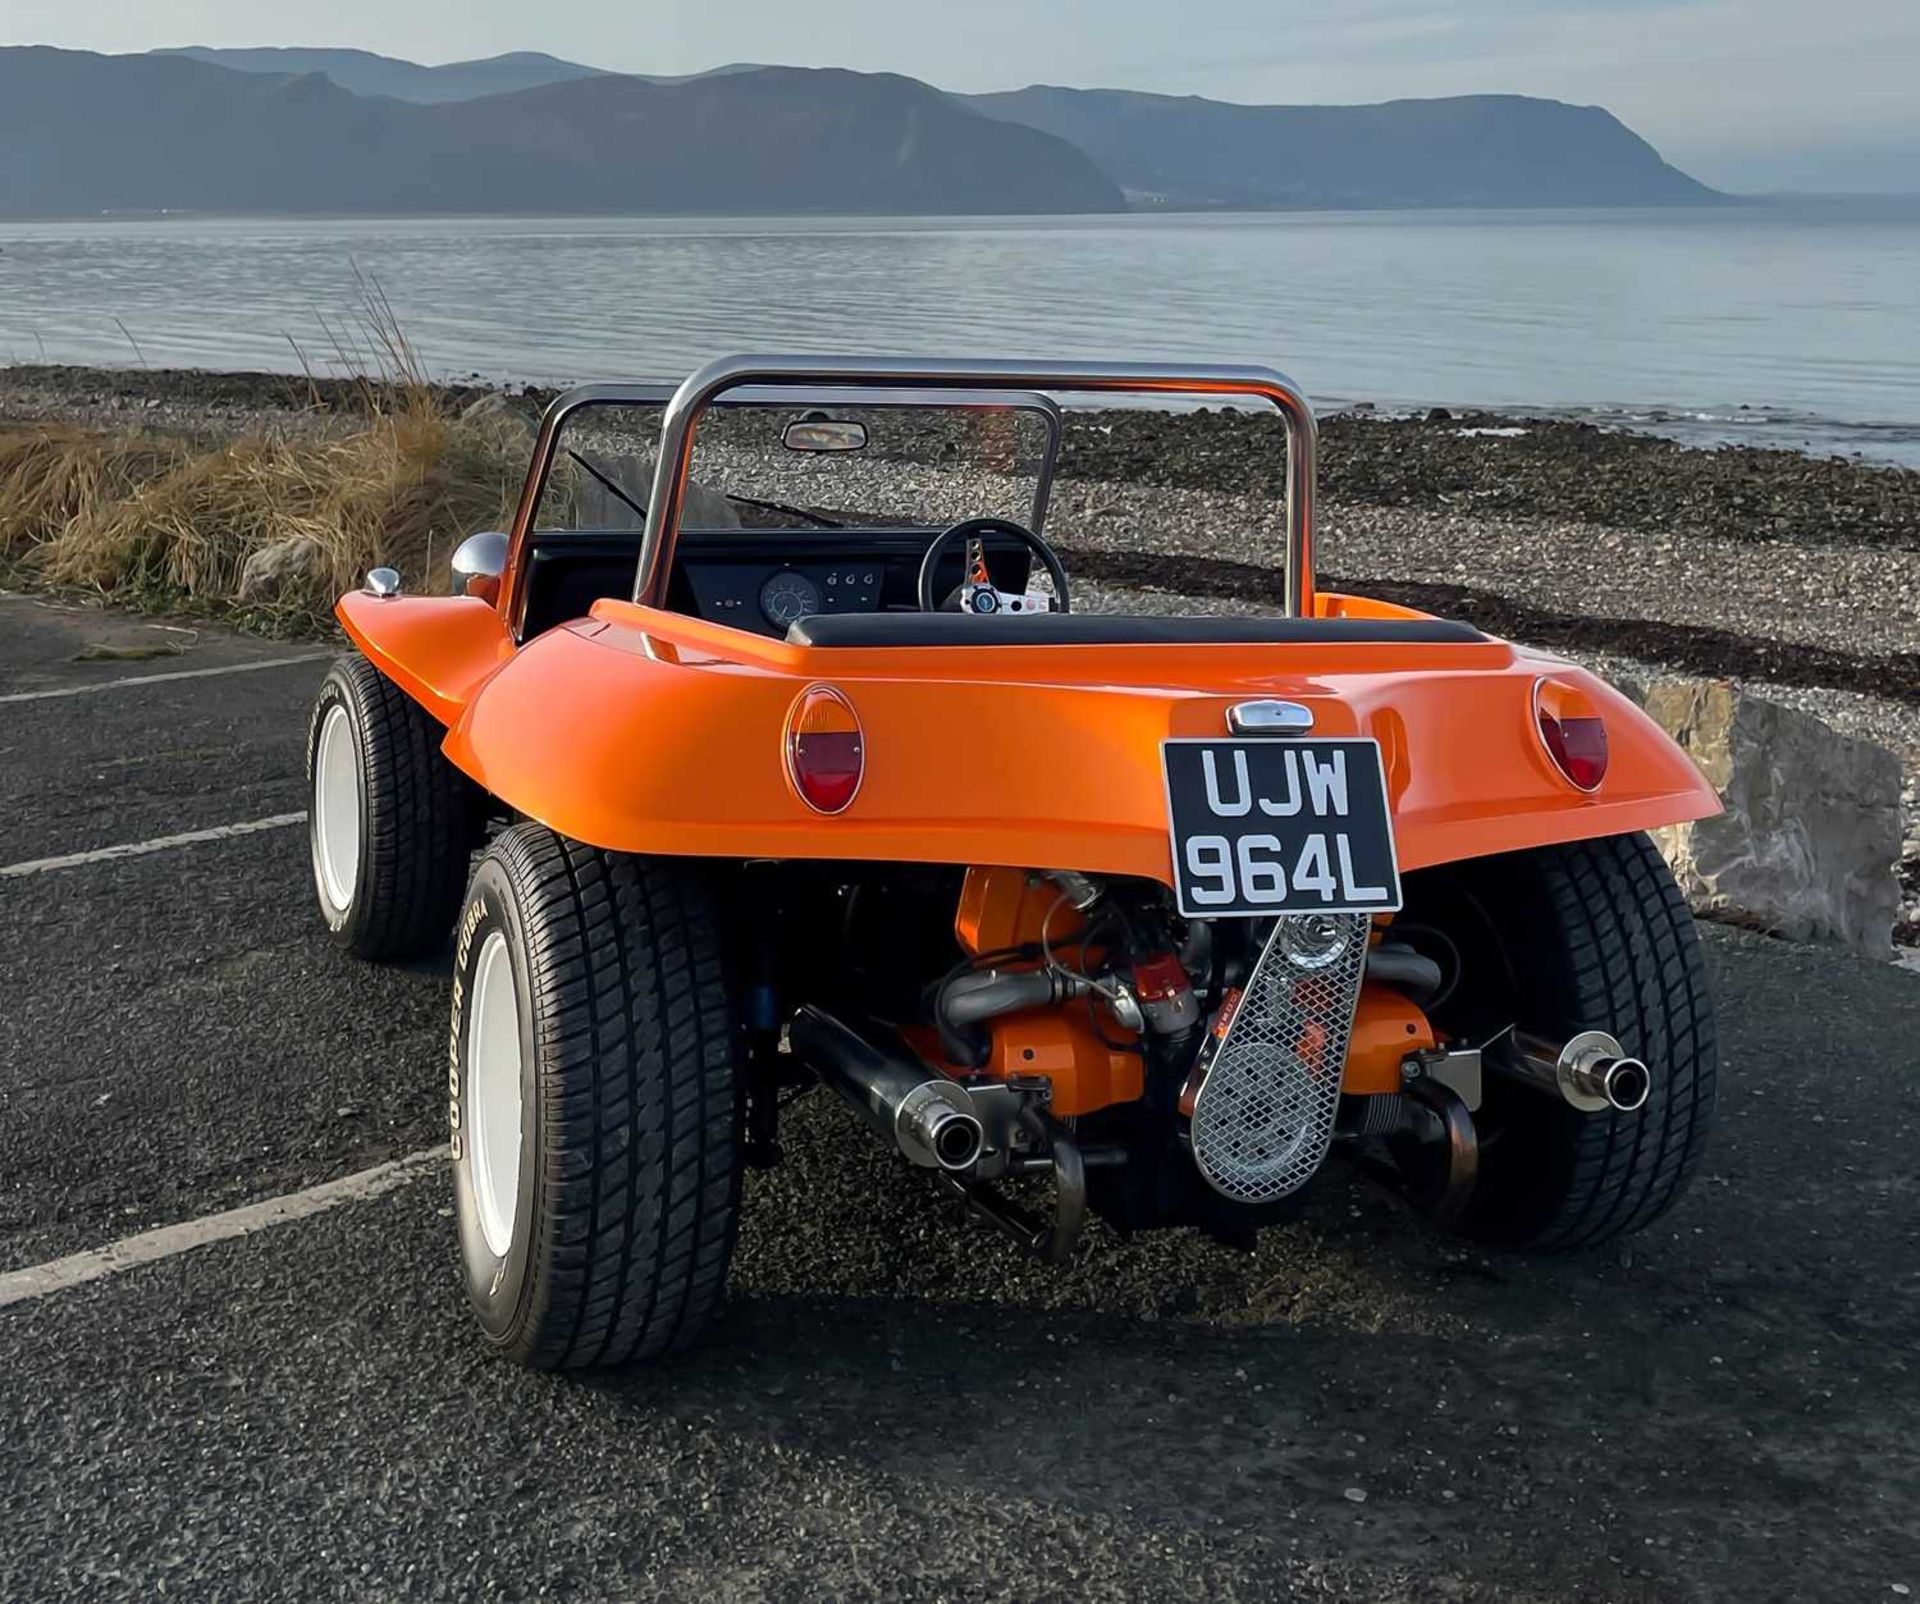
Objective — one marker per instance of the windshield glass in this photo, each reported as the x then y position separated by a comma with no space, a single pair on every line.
798,466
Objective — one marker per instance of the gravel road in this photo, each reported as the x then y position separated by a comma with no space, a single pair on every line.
893,1405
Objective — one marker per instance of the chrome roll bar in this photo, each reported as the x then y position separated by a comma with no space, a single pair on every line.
1101,378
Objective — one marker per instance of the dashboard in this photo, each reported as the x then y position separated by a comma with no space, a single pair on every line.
752,580
769,598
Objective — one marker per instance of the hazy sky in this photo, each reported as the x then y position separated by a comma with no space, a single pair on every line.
1745,93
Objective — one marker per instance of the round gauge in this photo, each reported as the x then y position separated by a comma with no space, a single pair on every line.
788,596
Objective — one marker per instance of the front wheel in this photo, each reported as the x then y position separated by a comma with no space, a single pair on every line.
391,823
593,1102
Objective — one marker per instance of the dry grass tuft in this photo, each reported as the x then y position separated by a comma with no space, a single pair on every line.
278,525
273,525
50,477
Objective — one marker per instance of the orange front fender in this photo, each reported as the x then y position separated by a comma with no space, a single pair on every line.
438,649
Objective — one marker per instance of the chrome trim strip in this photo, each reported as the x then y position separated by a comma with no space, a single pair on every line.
1108,378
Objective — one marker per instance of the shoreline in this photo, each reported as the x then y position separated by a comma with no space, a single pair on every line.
1760,428
1519,461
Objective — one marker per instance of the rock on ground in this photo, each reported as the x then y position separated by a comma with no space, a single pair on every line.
286,565
1812,832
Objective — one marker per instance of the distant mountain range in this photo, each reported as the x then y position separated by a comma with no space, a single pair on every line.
363,73
1472,150
199,129
81,133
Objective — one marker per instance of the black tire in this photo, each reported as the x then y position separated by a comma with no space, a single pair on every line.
1597,937
628,1133
418,819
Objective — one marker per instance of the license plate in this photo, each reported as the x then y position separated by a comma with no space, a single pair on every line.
1262,827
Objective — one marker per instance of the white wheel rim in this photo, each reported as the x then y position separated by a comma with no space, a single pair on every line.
336,809
493,1094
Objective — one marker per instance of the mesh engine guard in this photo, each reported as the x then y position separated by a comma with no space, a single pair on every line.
1263,1116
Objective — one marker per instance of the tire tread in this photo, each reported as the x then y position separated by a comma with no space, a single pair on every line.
635,1039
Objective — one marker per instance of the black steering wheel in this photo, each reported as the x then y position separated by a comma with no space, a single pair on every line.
974,531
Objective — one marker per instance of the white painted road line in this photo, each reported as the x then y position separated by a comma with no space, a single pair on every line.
161,843
161,679
20,1286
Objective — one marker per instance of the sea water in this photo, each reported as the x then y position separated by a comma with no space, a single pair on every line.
1792,324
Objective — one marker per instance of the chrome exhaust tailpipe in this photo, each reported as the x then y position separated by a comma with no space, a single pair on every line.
1590,1072
928,1117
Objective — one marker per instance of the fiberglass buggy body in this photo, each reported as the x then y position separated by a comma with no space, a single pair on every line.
1146,916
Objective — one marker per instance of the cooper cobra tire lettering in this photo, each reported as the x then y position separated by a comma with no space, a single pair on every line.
469,922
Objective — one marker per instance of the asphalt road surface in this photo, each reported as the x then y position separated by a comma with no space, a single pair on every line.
893,1404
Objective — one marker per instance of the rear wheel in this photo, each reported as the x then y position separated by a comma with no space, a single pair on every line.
594,1102
390,821
1592,935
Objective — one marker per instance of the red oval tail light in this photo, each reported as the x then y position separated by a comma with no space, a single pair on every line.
825,750
1573,734
1578,747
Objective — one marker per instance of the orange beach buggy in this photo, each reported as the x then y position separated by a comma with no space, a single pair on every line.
788,761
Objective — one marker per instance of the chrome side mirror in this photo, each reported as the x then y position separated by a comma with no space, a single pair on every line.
478,563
